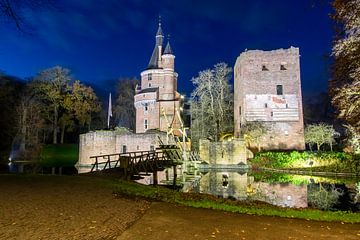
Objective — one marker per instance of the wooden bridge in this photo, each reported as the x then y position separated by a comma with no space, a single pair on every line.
133,163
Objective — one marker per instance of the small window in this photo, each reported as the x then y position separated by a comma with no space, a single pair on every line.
149,84
149,76
282,67
272,114
145,124
287,106
264,68
124,149
146,107
279,89
137,147
266,105
152,148
239,110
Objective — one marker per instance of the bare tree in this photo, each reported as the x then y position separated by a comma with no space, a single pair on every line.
345,82
12,10
320,134
211,106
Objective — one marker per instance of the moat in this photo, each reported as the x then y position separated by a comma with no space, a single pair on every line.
286,190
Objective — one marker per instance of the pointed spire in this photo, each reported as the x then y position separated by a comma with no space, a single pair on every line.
159,31
168,48
156,55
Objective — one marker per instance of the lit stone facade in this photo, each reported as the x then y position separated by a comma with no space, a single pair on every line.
267,89
110,142
157,99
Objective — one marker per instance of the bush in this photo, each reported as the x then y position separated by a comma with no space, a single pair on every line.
329,161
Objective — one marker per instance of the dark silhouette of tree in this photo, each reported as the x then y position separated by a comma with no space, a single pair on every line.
124,110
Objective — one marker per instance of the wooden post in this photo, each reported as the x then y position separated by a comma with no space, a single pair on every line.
155,178
175,175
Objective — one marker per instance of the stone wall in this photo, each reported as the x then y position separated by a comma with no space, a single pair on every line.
223,153
257,75
110,142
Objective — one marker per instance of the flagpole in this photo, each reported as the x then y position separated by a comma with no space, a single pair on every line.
109,112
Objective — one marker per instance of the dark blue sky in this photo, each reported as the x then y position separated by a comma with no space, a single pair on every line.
102,40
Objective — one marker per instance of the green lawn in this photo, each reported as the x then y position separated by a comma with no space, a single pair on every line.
59,155
212,202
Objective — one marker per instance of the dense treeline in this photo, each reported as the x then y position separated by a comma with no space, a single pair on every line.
54,108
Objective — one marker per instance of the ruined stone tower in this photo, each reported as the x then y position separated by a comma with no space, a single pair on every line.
267,89
157,100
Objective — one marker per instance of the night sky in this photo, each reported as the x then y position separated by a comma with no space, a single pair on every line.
104,40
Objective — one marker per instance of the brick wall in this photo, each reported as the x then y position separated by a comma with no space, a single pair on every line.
110,142
256,76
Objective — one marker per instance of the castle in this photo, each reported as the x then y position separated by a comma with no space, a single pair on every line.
157,100
157,104
267,89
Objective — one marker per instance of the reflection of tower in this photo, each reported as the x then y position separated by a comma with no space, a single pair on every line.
225,184
157,99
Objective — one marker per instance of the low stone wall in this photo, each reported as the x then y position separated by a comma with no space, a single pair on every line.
223,153
110,142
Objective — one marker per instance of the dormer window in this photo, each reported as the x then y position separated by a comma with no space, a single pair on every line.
264,68
149,76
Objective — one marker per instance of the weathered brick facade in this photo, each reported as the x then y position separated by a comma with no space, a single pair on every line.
267,89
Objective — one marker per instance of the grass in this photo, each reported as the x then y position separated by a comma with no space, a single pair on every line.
60,155
212,202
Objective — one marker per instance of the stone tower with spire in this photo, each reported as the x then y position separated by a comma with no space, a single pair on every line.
156,99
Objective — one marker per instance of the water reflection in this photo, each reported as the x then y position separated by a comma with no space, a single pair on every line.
275,188
241,186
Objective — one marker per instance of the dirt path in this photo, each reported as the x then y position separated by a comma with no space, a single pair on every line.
168,221
63,208
83,208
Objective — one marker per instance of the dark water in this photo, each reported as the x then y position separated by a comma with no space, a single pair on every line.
287,190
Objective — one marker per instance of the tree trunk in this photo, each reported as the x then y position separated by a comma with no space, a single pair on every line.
23,128
331,148
62,134
55,125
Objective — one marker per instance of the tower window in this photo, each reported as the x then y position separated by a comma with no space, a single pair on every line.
149,76
146,107
239,110
145,124
279,89
264,68
124,149
272,114
149,84
282,67
266,105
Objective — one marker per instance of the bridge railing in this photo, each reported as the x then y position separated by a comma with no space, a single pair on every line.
139,160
